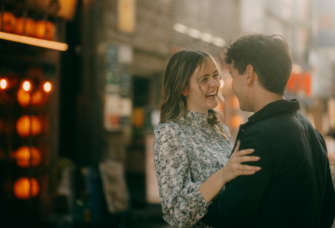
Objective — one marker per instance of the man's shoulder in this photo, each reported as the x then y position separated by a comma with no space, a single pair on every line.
284,121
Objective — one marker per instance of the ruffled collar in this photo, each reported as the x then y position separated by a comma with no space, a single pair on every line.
194,118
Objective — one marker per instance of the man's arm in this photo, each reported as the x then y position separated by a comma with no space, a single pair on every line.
328,209
238,203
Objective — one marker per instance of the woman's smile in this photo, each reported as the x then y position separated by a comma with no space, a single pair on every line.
211,96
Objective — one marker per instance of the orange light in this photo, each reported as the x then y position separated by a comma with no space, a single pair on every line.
23,126
30,26
34,41
3,83
138,117
46,30
22,188
22,156
237,121
23,97
47,87
9,21
220,106
37,97
235,103
26,86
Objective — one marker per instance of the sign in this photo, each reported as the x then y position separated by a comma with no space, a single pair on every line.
117,103
61,8
300,82
126,15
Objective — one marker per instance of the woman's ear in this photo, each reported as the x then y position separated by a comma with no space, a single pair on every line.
184,92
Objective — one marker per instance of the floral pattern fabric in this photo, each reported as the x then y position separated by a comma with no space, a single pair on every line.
186,153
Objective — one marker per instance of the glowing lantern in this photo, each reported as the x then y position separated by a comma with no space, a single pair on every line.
37,97
3,83
26,86
23,187
45,29
23,97
22,156
47,87
23,126
9,21
30,26
237,121
235,103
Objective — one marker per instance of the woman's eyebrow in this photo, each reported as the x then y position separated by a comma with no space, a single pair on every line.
205,75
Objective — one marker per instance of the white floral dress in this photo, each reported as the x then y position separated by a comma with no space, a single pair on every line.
187,152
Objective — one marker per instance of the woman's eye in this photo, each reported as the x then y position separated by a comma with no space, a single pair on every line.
205,79
216,75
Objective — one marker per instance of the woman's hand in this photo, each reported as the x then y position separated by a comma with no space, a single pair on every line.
213,185
234,168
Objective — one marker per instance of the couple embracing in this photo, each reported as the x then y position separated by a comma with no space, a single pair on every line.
276,174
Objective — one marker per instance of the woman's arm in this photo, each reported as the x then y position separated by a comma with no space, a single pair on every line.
182,202
213,185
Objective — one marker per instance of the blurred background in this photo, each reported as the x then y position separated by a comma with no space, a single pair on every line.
80,84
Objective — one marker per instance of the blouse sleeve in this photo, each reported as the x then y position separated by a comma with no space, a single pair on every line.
182,202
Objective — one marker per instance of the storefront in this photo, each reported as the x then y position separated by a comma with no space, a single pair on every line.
31,39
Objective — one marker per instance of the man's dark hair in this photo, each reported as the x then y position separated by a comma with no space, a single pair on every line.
268,54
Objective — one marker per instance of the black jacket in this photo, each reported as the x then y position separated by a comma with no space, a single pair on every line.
294,187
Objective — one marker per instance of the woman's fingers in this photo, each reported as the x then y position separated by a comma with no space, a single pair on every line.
237,146
247,159
248,172
249,168
244,152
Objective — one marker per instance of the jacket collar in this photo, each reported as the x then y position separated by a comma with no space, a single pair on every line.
275,107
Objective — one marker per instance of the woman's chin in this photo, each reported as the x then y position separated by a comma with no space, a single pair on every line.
213,104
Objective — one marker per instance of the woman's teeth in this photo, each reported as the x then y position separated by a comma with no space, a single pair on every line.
211,96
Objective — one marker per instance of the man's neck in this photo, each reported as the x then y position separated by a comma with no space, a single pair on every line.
265,98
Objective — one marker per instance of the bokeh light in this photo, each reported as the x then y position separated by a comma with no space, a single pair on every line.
3,83
22,156
26,86
47,87
22,188
23,126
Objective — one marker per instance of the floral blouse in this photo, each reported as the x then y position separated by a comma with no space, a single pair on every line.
187,152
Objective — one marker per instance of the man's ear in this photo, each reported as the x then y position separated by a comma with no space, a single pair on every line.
250,74
184,92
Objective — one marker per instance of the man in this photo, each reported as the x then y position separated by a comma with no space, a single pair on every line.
294,187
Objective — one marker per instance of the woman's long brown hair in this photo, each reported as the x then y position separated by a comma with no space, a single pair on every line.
176,78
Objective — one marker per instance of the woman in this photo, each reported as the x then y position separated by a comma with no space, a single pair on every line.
192,148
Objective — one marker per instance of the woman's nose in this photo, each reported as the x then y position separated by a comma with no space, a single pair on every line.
213,82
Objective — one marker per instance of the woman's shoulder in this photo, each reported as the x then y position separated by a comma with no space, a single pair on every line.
171,126
224,127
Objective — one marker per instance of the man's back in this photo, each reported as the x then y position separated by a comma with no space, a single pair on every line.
298,182
294,187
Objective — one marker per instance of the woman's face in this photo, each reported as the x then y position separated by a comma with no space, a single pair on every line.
207,77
